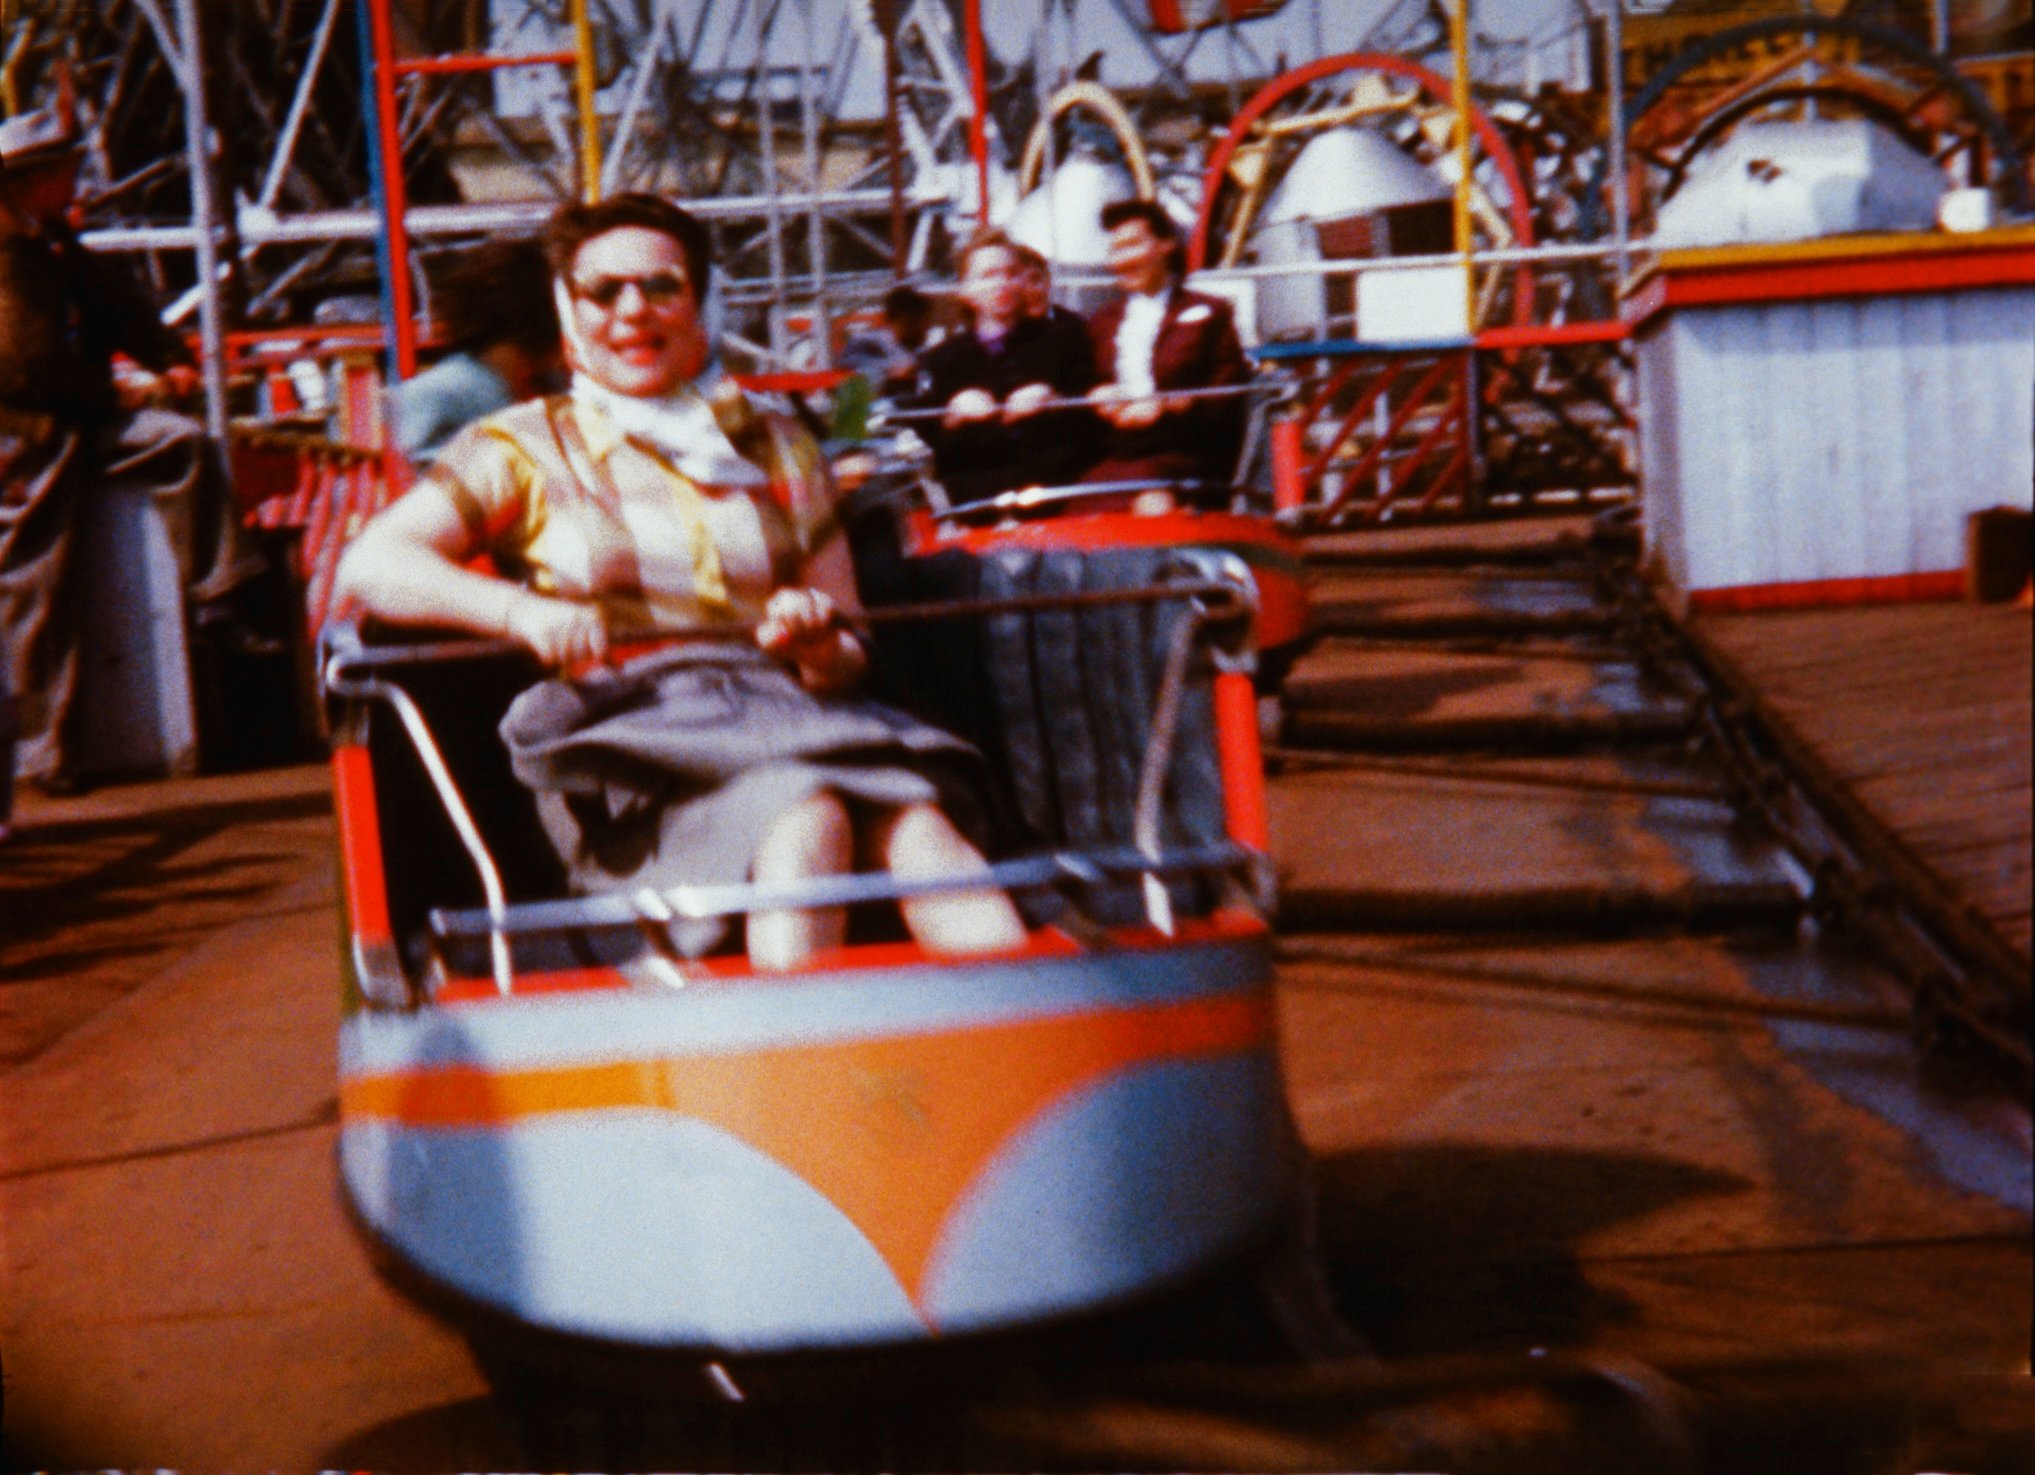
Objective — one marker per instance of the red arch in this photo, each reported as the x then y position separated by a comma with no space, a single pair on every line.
1436,87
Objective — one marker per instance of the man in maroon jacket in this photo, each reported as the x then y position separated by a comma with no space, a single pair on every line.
1159,336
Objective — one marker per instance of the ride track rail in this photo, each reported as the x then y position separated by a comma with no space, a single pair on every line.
1273,1366
1969,991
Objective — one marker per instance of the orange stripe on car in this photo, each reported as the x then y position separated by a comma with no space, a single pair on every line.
892,1131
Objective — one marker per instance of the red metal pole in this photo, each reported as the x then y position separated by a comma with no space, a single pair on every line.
481,62
310,473
1543,335
1289,473
395,197
360,842
1243,763
978,119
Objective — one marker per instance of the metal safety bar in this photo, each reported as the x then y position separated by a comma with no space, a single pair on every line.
1223,600
1271,389
1158,757
1032,498
340,683
696,903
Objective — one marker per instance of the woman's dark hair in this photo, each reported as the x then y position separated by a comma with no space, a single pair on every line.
576,224
1161,225
906,301
498,292
1151,212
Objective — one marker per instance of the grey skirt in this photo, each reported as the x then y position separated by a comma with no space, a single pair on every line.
670,770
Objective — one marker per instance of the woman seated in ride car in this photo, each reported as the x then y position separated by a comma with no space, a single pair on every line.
654,501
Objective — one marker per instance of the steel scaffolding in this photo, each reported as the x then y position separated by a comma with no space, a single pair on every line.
831,144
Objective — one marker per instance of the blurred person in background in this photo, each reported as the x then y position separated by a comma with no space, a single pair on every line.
1038,273
83,358
888,354
501,329
993,376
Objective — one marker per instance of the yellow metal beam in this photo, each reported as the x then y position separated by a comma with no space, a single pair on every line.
1459,43
583,92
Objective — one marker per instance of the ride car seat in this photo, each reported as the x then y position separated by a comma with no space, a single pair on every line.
1062,701
462,697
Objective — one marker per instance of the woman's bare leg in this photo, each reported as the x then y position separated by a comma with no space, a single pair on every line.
918,842
812,838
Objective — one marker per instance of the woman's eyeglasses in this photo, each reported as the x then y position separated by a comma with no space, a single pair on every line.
658,288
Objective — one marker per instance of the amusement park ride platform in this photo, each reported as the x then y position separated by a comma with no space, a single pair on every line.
1591,1078
1560,1119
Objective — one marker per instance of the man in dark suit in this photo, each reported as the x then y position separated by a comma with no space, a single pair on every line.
993,377
76,423
1160,336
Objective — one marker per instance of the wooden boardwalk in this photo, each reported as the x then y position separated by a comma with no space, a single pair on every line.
1917,715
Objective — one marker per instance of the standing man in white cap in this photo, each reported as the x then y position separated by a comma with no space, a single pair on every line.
73,422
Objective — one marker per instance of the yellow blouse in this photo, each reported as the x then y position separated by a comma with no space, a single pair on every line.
566,503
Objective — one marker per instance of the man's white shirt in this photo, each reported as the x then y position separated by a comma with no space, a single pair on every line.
1137,336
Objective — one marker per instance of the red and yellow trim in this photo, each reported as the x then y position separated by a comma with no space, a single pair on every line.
1841,266
1814,593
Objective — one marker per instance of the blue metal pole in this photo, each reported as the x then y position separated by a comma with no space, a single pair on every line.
377,194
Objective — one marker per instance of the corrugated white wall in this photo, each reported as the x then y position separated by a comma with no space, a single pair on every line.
1786,443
